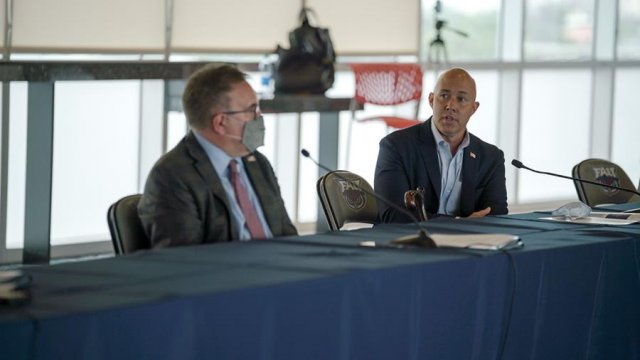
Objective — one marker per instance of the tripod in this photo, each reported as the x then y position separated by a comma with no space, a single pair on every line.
437,55
438,50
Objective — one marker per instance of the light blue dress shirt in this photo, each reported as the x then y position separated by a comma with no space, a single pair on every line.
450,170
220,161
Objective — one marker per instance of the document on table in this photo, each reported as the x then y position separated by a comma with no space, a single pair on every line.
495,241
600,218
462,241
14,288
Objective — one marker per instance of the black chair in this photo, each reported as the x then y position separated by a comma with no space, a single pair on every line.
343,200
604,172
126,229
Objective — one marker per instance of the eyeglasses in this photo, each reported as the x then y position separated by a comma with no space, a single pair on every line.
253,109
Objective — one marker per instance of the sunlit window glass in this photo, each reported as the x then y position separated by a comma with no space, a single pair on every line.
95,155
17,163
558,29
477,19
484,122
629,29
552,136
626,126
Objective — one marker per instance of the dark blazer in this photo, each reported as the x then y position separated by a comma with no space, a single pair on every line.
408,158
184,202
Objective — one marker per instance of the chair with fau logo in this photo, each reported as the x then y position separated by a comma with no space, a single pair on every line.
392,85
125,227
344,201
604,172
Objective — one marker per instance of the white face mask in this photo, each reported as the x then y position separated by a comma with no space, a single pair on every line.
253,134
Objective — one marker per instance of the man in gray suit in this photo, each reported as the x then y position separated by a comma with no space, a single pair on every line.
214,186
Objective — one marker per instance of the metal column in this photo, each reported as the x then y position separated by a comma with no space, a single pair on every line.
37,222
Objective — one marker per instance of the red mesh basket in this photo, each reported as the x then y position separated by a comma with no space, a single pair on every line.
388,84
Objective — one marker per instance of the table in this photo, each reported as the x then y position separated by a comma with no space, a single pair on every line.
572,292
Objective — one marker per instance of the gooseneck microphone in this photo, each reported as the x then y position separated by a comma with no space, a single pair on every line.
423,237
520,165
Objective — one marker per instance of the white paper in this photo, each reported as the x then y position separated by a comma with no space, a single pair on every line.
600,218
477,241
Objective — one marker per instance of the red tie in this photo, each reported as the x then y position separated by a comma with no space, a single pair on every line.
250,215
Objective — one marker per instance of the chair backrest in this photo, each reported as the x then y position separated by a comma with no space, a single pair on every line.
604,172
344,201
126,229
387,84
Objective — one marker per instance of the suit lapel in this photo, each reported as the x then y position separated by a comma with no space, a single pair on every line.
203,167
429,153
469,178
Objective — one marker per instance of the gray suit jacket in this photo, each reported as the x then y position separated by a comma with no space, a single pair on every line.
184,202
408,158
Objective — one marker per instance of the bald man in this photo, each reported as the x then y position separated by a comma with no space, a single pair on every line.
461,174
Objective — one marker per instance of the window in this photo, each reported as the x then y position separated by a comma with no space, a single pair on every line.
554,133
484,123
629,29
477,19
558,29
17,165
95,155
626,126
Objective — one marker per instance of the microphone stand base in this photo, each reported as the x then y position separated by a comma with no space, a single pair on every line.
420,240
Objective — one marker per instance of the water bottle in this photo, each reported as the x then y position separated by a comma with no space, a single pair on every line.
266,77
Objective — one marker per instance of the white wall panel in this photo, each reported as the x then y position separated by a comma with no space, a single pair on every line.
233,26
88,24
371,26
239,26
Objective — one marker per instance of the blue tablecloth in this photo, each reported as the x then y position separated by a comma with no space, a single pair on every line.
572,292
